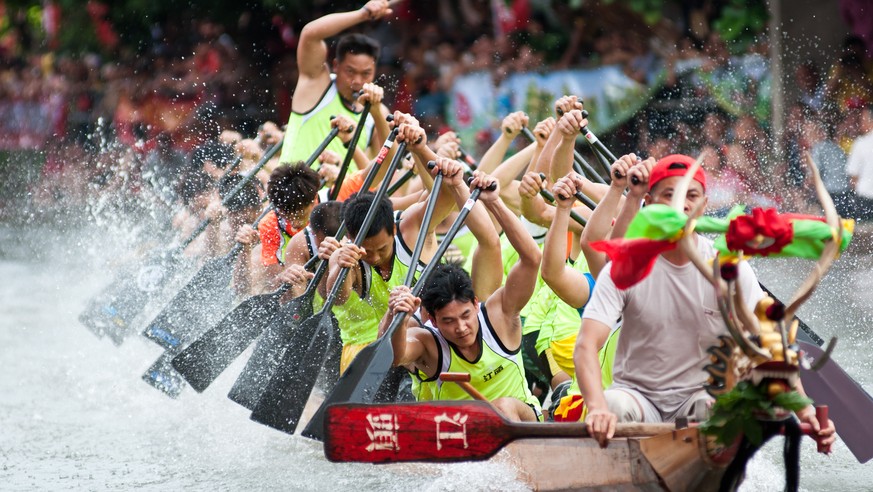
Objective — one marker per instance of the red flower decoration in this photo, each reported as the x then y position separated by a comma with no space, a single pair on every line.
764,232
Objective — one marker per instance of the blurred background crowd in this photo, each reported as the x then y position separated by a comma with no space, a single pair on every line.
95,95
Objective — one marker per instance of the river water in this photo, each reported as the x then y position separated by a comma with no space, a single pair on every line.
74,414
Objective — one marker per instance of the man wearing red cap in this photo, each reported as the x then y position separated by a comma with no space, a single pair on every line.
669,319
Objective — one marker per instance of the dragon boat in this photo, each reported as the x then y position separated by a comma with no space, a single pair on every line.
762,357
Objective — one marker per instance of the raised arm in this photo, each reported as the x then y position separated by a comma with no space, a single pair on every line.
535,209
522,278
568,129
568,283
312,50
373,94
509,129
487,271
636,193
600,225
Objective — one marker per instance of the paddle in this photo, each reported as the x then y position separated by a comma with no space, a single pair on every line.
588,202
207,357
850,406
210,354
440,431
365,374
280,336
400,182
200,301
113,310
286,394
596,143
573,215
468,159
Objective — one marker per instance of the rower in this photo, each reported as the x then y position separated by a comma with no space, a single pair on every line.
466,335
293,193
322,91
382,260
669,318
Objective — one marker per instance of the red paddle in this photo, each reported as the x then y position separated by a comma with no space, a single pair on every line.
443,431
439,431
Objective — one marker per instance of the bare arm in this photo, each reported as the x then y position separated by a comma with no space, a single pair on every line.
312,50
600,225
569,284
346,256
408,348
568,128
487,260
509,129
592,336
634,198
522,278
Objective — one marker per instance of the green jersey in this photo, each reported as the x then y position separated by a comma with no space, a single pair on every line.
496,372
306,130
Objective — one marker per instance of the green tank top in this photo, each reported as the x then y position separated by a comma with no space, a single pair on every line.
466,243
510,258
305,131
360,315
496,373
565,318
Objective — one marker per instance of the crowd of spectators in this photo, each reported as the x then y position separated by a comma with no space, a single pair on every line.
198,78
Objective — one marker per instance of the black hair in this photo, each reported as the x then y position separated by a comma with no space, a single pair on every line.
220,154
325,218
356,207
192,183
357,44
447,283
245,198
293,187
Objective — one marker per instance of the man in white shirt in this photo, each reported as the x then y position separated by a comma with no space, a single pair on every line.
860,166
669,319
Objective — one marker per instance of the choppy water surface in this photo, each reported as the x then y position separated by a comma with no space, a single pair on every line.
75,415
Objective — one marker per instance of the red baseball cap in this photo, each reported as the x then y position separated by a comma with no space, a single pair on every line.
675,165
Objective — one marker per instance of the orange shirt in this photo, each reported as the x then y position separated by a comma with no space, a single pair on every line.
273,242
351,185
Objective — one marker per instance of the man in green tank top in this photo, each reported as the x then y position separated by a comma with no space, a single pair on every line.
324,90
480,338
383,259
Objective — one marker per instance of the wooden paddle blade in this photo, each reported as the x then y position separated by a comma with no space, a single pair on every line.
436,431
270,350
208,356
358,384
850,406
194,306
283,401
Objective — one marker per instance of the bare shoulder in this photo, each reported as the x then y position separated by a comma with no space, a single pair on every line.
309,89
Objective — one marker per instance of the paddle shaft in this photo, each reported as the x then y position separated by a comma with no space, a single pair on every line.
471,162
284,337
580,165
422,233
400,182
350,153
